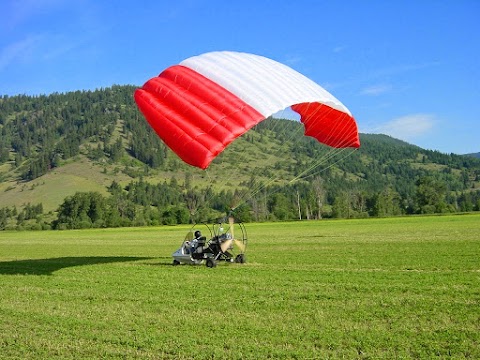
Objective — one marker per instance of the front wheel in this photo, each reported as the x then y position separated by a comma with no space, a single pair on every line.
176,262
240,258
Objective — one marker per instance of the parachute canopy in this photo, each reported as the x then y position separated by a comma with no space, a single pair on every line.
201,105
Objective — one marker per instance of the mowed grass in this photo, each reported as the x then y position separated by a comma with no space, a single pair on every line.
376,288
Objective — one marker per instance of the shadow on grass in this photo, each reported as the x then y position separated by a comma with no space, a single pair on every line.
48,266
164,261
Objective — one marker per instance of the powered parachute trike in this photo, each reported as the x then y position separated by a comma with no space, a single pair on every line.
223,244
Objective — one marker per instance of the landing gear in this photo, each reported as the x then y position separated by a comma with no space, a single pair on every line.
211,263
240,259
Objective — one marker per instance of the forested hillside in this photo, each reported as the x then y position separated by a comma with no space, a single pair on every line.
88,159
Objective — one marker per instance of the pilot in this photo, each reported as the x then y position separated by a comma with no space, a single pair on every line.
190,245
197,242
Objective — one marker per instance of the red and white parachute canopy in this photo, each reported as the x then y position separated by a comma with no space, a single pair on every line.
201,105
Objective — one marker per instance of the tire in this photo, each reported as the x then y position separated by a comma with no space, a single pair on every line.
176,262
240,259
211,263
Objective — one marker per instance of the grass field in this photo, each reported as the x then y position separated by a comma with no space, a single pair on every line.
377,288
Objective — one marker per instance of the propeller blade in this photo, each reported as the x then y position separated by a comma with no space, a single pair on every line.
226,245
240,245
230,222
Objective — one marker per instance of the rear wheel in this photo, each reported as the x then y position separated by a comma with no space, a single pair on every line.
211,263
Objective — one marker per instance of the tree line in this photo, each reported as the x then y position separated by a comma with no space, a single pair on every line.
143,204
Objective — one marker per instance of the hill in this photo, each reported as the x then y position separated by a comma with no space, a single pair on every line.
475,155
52,147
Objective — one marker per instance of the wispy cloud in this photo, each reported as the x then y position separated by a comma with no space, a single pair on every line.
46,43
22,10
36,49
19,51
292,59
338,49
402,68
376,90
407,127
379,75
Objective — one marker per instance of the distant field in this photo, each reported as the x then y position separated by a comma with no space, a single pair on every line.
376,288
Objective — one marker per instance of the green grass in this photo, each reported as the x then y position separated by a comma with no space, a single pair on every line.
376,288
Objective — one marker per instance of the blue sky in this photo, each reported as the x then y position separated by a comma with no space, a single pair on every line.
409,69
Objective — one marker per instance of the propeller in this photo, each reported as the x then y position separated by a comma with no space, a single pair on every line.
228,242
226,245
240,245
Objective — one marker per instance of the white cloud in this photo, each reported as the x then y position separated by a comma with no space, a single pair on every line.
376,90
407,127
